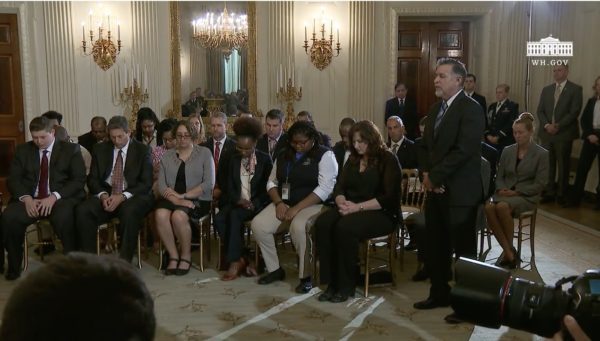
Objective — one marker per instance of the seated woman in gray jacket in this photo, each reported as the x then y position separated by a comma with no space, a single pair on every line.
521,177
185,182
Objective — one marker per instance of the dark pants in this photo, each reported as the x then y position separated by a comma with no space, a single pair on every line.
416,229
448,229
131,214
229,223
559,157
337,239
588,153
15,221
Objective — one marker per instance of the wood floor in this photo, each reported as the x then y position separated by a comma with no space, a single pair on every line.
199,306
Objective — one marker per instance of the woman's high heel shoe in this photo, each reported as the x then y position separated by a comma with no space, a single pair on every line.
181,272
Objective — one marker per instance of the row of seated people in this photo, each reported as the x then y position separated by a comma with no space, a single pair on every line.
47,179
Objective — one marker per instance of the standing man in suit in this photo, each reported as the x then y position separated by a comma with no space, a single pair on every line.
500,117
405,108
450,159
590,126
274,140
46,180
221,147
402,146
341,150
120,185
559,107
470,83
96,135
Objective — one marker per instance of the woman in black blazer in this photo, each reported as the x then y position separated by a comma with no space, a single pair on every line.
367,199
249,171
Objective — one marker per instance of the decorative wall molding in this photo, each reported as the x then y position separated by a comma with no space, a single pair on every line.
60,55
361,50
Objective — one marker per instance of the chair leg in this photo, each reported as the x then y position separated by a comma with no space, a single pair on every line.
367,268
531,239
201,265
139,250
25,253
160,254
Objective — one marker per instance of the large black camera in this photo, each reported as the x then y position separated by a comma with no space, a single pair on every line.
490,296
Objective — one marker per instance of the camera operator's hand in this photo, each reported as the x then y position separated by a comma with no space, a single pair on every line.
573,328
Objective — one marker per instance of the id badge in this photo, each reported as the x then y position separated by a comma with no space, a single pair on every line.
285,191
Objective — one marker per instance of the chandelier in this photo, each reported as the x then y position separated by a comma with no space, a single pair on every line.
226,32
104,50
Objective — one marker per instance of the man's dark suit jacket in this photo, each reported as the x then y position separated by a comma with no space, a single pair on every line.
227,150
408,114
565,114
452,156
66,171
500,123
481,100
339,151
587,120
263,145
87,140
407,154
137,170
258,184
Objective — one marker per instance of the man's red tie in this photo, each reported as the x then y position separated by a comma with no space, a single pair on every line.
117,177
43,183
217,154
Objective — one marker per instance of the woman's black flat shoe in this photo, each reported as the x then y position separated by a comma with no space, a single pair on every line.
173,271
338,298
326,295
181,272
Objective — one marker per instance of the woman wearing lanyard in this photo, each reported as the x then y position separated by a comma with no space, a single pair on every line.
302,178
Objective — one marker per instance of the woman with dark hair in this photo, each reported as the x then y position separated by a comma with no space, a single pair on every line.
520,180
367,199
145,127
249,171
165,140
302,178
185,182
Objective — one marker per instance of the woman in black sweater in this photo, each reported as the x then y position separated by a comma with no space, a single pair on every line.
367,199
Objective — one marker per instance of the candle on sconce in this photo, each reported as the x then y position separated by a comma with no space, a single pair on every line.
331,27
145,78
305,36
314,25
82,31
118,30
281,75
91,27
108,22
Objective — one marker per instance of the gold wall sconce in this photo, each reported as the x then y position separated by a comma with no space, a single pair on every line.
321,50
104,50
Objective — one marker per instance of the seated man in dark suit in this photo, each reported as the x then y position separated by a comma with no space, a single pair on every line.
405,108
341,150
470,83
274,140
46,180
306,116
400,145
500,117
222,147
96,135
120,185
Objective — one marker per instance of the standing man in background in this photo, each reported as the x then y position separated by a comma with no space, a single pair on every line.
559,107
405,108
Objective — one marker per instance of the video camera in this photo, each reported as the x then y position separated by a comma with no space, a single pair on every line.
490,296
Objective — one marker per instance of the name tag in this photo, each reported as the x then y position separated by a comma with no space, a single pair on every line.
285,191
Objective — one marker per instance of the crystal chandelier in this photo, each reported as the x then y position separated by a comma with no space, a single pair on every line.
226,32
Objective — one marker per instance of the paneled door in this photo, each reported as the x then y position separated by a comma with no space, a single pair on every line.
11,96
420,45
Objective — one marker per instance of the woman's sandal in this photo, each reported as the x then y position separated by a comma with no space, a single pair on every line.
181,272
172,271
